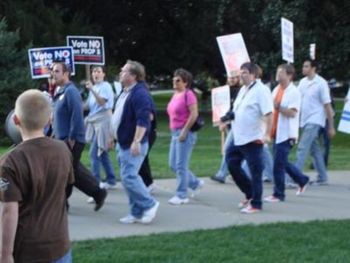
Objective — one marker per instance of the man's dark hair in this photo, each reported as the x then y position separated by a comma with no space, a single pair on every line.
185,75
103,68
65,67
251,67
313,62
290,70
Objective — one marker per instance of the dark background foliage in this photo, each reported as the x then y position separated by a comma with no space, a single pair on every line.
167,34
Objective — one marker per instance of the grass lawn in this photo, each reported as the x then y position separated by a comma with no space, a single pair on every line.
318,241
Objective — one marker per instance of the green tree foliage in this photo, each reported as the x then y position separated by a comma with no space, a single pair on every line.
14,73
166,34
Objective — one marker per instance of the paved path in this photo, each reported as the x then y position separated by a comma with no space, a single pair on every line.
214,207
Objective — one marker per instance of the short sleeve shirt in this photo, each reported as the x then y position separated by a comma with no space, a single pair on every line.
288,127
104,90
314,95
38,171
178,108
250,106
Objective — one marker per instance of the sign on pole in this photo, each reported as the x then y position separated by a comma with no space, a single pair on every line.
313,51
344,123
41,59
233,51
87,49
220,102
287,40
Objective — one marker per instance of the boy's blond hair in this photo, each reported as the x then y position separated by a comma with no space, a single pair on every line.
33,110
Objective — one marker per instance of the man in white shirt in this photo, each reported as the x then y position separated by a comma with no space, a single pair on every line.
251,129
285,130
315,110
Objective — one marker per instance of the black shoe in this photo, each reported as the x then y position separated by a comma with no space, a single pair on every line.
217,179
100,199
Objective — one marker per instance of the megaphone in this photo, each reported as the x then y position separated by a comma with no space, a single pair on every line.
11,128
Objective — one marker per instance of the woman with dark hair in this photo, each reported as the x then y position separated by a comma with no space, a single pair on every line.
99,104
183,112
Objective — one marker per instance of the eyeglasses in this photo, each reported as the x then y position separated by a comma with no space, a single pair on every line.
176,80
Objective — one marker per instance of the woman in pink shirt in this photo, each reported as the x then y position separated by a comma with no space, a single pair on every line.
183,111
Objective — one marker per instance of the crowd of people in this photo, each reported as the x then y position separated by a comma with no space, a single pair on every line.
42,171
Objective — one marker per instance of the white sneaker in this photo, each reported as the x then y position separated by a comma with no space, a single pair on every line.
150,214
108,186
244,203
272,199
198,189
129,219
250,210
175,200
90,200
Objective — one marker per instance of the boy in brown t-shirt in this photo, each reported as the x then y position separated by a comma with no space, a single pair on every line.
34,216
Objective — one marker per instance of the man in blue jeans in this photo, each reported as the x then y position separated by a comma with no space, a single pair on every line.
130,126
251,129
233,81
315,110
285,129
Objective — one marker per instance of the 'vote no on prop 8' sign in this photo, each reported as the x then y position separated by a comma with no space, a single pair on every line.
87,49
41,60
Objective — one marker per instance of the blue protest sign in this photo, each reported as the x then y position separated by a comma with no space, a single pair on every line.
87,49
41,59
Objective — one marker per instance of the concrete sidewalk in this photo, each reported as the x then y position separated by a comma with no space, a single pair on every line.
214,207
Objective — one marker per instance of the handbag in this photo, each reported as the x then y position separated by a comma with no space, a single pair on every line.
199,123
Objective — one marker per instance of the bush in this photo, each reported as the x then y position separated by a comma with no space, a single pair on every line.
14,73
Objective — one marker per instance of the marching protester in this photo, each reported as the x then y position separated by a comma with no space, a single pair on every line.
34,221
233,81
68,125
253,119
316,109
100,104
130,127
284,132
183,112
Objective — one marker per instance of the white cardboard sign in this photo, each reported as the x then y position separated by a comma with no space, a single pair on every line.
287,40
233,51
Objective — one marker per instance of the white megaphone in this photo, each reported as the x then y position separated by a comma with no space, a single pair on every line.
11,128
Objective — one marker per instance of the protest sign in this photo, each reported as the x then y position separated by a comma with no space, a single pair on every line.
87,49
287,40
220,102
344,123
41,59
233,51
313,51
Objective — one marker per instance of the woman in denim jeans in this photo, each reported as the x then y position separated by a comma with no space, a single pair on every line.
183,111
100,104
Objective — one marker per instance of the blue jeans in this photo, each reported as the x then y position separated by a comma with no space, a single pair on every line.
179,158
97,160
252,152
281,165
309,142
67,258
223,170
139,198
268,164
